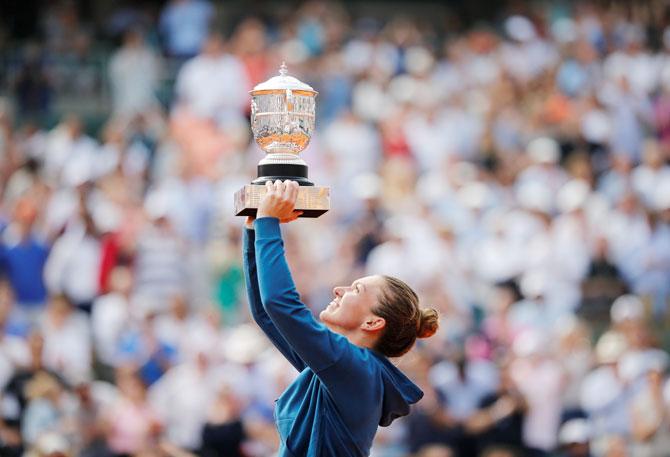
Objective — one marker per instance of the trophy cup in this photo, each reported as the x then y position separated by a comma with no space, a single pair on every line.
282,121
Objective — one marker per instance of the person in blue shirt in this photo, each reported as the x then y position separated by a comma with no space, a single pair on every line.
23,255
347,387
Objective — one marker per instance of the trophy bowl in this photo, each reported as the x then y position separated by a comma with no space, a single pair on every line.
282,121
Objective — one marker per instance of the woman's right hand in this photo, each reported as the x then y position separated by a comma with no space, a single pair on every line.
279,201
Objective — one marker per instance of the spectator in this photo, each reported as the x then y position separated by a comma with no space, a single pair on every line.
542,391
213,85
160,271
499,418
574,438
649,413
132,424
140,347
134,73
69,154
67,340
47,408
73,266
224,431
183,410
111,314
34,89
24,255
14,352
183,25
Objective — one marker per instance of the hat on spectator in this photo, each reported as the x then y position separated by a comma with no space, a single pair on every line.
535,196
366,186
157,204
572,195
529,343
574,431
52,444
543,150
77,172
418,60
626,307
564,30
635,365
474,195
520,28
146,306
244,344
533,284
397,227
610,347
599,389
657,360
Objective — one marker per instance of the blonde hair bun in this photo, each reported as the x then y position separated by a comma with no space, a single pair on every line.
429,323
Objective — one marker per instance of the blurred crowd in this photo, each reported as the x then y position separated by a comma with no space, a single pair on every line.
515,173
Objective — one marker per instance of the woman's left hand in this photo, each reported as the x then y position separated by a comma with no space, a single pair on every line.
279,201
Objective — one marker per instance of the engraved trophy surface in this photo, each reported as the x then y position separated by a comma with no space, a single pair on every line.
282,121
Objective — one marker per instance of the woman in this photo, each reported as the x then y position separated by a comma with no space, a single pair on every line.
132,426
346,387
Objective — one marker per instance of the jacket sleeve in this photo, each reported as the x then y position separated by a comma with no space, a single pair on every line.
256,306
315,344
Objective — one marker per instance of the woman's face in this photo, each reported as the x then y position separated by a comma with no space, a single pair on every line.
353,304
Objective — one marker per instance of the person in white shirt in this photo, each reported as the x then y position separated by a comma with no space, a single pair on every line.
541,381
176,326
111,313
214,84
182,396
651,173
67,340
73,266
69,154
134,72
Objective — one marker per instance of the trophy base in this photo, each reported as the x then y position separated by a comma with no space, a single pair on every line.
282,171
313,201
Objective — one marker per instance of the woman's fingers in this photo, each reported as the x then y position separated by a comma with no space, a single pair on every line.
279,187
279,200
290,191
293,216
294,191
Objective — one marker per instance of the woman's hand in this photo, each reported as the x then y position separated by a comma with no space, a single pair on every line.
249,223
279,201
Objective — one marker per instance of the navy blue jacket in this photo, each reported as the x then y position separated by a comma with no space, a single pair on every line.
344,392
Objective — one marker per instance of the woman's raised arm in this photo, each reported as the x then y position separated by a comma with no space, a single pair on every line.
256,306
315,344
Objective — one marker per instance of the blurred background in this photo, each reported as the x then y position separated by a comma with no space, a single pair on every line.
507,159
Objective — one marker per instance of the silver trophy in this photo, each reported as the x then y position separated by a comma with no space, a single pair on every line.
282,121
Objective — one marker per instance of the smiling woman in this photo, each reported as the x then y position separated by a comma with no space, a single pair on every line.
384,306
347,387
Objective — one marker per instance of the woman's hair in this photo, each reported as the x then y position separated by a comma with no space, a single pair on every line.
405,321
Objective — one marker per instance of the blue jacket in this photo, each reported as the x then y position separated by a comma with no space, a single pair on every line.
344,392
23,265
